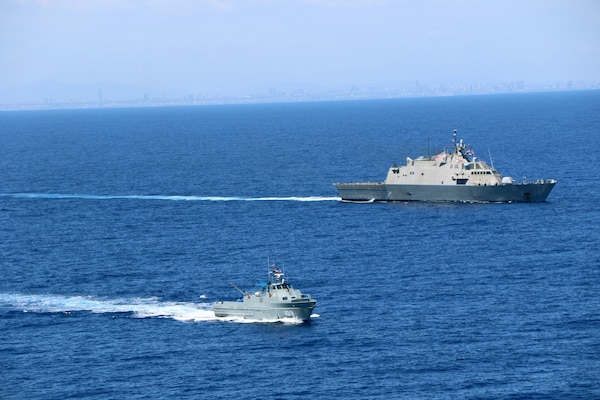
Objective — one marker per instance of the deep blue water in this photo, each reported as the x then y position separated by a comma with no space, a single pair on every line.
120,227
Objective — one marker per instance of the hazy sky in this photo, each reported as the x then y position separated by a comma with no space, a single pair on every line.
240,46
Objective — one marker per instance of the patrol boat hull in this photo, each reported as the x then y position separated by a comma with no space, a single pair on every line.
272,310
452,175
379,191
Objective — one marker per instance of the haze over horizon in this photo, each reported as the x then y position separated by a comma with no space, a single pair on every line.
233,47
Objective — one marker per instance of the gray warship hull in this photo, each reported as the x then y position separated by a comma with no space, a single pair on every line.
269,310
454,174
379,191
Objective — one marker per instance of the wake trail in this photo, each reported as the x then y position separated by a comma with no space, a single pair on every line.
59,196
136,307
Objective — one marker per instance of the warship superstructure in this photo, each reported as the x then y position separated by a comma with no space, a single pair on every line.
275,299
454,175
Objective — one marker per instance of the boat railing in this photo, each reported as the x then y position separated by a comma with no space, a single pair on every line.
539,181
358,183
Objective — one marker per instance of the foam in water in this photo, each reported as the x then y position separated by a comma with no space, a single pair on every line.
58,196
138,307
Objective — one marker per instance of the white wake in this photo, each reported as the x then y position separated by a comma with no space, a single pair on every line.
59,196
136,307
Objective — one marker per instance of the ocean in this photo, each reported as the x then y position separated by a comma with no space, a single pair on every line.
119,228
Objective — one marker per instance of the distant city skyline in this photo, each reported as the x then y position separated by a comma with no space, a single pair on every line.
147,99
60,51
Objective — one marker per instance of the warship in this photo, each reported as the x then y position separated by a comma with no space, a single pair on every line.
275,299
452,175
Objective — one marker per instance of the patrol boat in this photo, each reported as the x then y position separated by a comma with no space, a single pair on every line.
455,175
275,299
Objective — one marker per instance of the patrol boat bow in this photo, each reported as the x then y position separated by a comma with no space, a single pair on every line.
455,175
274,300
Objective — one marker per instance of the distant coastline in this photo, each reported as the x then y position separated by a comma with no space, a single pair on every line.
274,95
